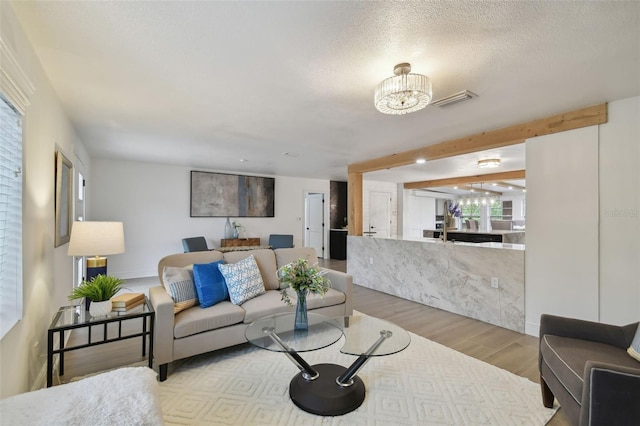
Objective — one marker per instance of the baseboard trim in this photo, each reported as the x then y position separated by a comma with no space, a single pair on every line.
532,329
40,382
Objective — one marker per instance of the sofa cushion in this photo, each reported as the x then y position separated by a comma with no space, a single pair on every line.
288,255
266,261
285,256
243,279
185,259
210,283
332,297
567,357
194,321
178,282
269,303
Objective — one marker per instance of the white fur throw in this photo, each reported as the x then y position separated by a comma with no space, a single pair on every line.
126,396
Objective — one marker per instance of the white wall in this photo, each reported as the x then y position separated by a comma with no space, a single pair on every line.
561,258
152,200
583,250
619,165
47,271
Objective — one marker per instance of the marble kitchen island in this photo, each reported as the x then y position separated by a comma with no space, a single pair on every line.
484,281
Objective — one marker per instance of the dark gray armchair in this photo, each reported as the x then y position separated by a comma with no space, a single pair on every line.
277,241
585,366
194,244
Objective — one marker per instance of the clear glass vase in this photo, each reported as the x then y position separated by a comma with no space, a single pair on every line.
301,322
228,230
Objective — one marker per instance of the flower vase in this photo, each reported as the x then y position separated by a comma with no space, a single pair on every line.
235,232
301,322
228,230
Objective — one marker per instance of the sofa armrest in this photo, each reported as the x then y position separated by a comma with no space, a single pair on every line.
343,282
163,336
610,395
618,336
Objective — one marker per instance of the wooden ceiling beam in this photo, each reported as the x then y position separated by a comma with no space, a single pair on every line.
510,185
488,178
511,135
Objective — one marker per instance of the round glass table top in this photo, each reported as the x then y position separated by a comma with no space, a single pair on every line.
322,332
361,335
364,331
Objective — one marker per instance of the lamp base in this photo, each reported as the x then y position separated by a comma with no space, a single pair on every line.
95,266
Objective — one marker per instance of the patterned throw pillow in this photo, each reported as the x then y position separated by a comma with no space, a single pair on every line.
243,280
210,284
178,282
634,349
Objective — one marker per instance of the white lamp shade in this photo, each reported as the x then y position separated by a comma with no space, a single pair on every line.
96,239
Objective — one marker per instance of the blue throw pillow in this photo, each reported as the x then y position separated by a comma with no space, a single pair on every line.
210,283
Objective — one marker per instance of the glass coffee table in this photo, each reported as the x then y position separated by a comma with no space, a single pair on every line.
328,389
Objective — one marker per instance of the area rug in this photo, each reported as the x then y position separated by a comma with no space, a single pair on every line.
426,384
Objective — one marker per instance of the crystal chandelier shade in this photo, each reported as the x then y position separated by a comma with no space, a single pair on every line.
404,93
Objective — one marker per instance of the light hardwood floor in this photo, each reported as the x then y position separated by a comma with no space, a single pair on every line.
509,350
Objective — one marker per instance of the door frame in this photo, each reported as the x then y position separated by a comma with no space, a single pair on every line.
325,215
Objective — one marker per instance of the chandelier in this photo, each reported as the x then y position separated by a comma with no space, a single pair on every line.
404,93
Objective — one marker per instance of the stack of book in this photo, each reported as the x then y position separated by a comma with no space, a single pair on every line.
127,302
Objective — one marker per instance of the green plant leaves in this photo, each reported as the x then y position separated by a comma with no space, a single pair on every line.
98,289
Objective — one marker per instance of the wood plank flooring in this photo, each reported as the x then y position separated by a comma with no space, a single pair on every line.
512,351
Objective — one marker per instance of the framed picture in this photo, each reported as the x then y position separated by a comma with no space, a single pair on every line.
64,198
224,195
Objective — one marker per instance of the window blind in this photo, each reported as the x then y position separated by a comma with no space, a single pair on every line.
10,217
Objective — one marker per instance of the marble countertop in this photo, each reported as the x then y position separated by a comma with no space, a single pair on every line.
507,246
493,232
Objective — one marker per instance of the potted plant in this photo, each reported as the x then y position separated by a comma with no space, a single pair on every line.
302,278
100,289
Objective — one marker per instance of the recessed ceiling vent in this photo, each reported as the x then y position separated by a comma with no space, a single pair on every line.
465,95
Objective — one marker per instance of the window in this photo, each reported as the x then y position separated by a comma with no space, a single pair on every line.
10,217
470,211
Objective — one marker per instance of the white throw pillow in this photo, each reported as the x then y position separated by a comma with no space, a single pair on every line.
634,349
178,282
243,279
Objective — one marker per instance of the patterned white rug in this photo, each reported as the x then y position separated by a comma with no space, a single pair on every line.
426,384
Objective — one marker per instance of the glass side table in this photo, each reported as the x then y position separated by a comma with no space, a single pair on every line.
75,317
328,389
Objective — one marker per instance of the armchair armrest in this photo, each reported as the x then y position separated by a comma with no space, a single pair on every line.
610,395
619,336
163,336
343,282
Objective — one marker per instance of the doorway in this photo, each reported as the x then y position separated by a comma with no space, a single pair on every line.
314,222
379,214
79,214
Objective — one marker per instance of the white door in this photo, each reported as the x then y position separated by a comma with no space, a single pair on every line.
379,214
314,223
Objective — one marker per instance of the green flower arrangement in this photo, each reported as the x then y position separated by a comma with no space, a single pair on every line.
99,289
301,276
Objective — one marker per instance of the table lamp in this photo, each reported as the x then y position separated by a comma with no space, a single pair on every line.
96,239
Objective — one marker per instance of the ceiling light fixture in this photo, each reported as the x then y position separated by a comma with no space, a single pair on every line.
404,93
488,163
421,161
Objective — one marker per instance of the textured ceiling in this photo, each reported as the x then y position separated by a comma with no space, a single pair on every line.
205,84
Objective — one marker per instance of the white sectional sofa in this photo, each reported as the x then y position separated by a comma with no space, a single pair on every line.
198,330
